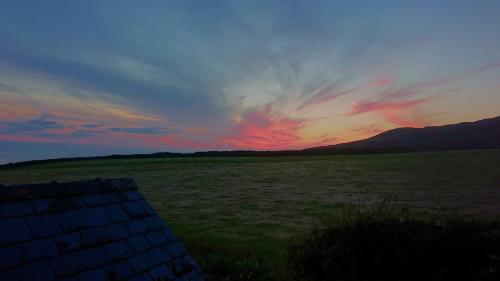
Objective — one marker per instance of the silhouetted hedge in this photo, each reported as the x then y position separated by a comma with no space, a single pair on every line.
378,245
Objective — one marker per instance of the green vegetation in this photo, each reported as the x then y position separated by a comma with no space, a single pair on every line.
385,245
246,210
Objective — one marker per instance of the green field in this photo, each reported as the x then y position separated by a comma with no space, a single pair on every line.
255,205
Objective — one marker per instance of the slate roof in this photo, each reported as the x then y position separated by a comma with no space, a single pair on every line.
87,231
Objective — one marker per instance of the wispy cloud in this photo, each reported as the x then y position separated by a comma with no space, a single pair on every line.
328,93
394,112
6,88
334,90
262,129
398,107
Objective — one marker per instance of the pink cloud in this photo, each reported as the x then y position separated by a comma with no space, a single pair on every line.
369,106
262,129
394,107
382,82
12,138
394,112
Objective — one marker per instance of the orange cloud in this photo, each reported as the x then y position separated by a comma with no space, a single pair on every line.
264,130
12,109
394,112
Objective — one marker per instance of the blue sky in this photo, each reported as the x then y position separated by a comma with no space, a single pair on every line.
98,77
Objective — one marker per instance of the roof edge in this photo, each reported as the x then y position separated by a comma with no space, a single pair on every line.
64,189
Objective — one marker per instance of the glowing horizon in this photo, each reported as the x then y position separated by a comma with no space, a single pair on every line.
91,78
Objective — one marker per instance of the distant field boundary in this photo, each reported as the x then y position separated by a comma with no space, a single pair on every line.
235,153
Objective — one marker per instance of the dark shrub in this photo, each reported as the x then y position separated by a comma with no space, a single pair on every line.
379,246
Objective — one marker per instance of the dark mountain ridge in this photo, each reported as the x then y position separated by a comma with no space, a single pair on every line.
482,134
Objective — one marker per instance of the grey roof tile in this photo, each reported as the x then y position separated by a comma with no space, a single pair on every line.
8,275
93,275
140,262
137,226
176,249
64,204
41,248
94,216
94,257
16,209
116,213
141,277
118,184
70,220
27,191
160,255
11,256
68,279
117,250
95,236
118,231
38,271
156,238
42,205
134,209
78,187
118,270
87,230
132,195
169,234
154,222
138,243
43,225
67,264
147,207
14,230
111,197
68,241
161,273
94,199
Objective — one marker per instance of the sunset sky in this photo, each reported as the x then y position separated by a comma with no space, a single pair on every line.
81,78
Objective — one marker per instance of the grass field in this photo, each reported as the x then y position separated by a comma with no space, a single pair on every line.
256,205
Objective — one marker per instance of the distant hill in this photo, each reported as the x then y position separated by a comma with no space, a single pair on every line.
482,134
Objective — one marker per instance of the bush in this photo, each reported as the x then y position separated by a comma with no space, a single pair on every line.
380,245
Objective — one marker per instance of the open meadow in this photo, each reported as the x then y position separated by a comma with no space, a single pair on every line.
256,204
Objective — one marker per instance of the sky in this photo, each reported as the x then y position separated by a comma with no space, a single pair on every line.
93,77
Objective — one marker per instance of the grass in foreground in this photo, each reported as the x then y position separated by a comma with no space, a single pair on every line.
248,208
372,244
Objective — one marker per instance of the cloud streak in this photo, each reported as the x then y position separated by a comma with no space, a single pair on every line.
264,130
399,109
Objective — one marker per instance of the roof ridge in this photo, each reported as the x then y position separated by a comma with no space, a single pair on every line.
64,189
